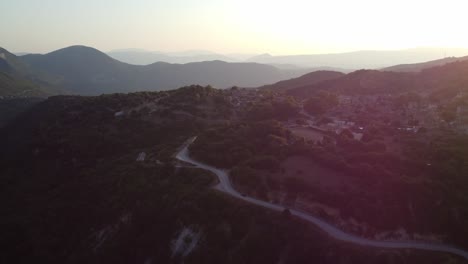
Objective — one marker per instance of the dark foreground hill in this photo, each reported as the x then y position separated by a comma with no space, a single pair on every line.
365,59
72,191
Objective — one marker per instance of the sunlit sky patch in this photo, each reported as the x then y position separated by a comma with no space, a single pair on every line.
241,26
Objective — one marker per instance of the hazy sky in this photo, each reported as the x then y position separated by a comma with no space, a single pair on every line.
237,26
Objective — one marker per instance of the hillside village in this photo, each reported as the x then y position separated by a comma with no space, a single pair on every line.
364,116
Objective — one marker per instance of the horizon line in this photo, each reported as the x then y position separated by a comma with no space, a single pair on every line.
238,53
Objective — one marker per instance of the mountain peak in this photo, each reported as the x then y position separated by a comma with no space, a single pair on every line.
78,49
78,55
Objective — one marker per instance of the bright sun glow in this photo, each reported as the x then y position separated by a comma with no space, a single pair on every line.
277,27
298,26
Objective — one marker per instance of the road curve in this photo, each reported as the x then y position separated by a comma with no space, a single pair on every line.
225,186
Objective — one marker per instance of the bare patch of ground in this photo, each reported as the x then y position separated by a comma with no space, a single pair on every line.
307,133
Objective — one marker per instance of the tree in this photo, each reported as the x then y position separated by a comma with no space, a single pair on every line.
324,120
245,176
286,213
376,146
405,99
447,115
347,134
264,163
286,108
320,103
295,185
422,130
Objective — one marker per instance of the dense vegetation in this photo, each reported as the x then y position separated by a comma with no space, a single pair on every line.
228,146
73,192
423,189
320,103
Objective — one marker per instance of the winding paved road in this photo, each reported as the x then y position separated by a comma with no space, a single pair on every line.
225,186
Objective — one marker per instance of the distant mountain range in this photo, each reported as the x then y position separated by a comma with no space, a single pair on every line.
143,57
367,59
343,62
87,71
